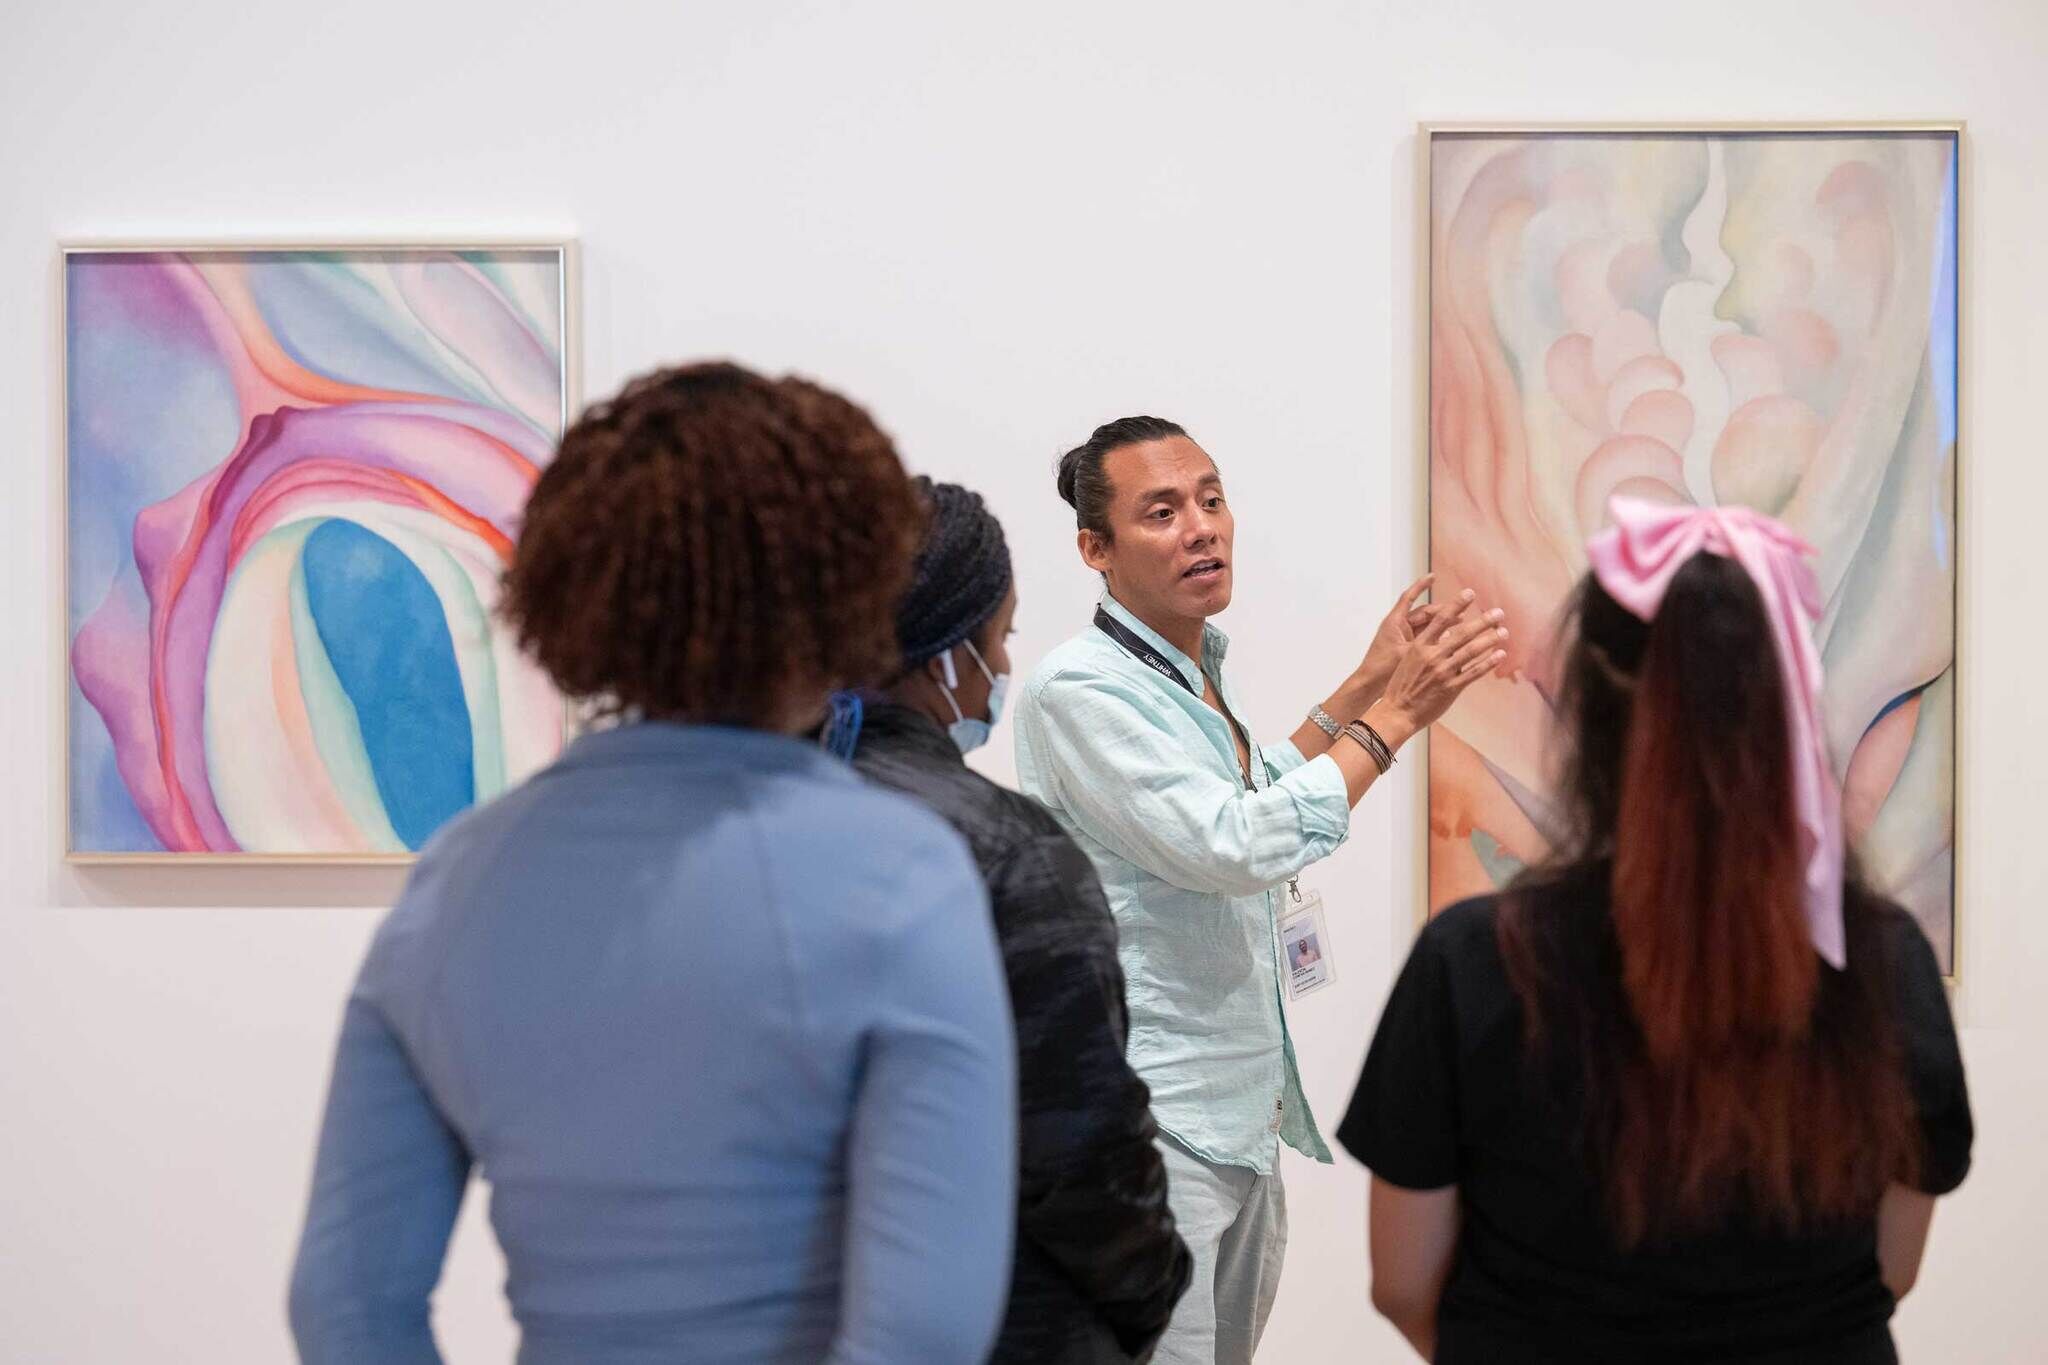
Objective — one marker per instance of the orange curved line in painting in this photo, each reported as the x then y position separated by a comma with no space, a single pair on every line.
449,510
380,484
271,359
339,475
512,457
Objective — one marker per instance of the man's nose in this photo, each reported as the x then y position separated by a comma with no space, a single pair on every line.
1201,528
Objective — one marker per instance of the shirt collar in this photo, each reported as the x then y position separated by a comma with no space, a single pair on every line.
1215,644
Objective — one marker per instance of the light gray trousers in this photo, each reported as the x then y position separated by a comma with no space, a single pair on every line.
1234,1220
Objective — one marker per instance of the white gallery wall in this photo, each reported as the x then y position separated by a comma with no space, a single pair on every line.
996,226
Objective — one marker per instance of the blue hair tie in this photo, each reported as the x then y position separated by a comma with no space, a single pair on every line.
842,728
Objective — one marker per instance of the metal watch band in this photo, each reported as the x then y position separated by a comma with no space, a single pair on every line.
1325,722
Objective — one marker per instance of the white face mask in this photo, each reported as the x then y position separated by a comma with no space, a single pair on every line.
968,732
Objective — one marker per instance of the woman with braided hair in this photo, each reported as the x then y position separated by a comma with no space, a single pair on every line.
722,1025
1099,1263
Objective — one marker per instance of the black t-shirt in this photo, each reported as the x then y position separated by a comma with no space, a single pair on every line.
1448,1097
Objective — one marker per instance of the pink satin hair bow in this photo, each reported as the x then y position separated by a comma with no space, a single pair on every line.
1635,560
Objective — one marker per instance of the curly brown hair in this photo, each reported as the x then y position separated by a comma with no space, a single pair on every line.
712,545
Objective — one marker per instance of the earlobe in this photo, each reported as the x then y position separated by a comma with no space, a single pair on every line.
1090,545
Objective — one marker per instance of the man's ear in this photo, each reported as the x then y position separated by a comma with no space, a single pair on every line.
1094,550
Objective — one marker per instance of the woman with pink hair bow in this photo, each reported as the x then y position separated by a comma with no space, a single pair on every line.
1687,1091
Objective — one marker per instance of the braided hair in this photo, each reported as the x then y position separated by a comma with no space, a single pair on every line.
961,576
708,539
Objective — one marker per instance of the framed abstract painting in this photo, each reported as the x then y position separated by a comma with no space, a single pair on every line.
1756,316
293,476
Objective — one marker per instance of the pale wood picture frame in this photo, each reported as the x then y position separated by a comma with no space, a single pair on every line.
1429,134
557,251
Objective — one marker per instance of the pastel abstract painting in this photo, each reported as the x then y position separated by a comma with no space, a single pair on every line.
1763,319
293,480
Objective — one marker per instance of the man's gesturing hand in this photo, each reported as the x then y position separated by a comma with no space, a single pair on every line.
1452,650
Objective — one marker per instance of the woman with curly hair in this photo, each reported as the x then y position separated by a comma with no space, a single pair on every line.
722,1026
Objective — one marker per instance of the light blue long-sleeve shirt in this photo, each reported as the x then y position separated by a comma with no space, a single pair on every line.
1144,776
725,1030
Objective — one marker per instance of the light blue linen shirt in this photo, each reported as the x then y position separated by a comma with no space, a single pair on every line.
1145,778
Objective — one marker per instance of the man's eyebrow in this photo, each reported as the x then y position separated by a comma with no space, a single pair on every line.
1169,494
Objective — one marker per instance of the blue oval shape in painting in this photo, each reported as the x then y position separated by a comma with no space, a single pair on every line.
384,632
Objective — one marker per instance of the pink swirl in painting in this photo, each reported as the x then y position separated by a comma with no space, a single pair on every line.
294,479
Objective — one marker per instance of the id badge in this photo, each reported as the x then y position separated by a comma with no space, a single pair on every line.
1305,945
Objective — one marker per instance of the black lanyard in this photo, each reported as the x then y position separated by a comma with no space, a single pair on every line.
1139,648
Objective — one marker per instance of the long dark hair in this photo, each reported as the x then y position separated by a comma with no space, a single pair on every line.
1725,1069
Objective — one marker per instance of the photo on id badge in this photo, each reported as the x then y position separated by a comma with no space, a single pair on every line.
1306,946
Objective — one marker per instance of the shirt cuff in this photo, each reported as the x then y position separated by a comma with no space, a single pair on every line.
1322,801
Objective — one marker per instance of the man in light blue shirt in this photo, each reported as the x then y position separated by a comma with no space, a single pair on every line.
1130,735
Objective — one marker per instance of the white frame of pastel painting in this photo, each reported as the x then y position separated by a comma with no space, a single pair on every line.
1435,882
557,253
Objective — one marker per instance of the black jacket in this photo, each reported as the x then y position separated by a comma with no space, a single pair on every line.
1099,1265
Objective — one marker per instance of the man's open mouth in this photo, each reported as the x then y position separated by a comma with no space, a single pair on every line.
1203,568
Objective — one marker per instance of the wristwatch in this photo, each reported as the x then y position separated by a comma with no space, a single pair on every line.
1325,722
